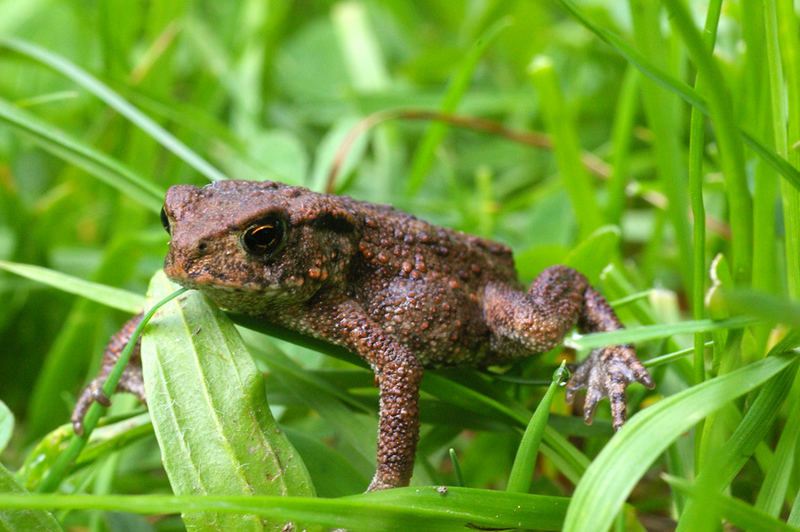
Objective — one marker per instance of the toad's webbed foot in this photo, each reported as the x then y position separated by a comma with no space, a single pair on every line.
559,299
130,380
606,373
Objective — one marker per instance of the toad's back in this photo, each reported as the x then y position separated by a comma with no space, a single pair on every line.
424,283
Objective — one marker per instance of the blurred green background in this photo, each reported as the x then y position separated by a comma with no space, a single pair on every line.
270,89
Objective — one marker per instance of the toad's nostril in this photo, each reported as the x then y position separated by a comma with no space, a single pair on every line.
202,247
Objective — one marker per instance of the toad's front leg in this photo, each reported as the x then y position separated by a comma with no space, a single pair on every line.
130,380
398,373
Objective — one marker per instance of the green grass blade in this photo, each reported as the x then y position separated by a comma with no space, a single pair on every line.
110,97
571,459
105,295
519,480
651,332
737,512
670,357
566,146
776,483
614,472
621,140
6,425
790,56
114,434
696,151
423,156
794,515
721,466
96,163
689,95
663,116
771,308
731,153
419,508
698,209
456,467
209,409
23,518
765,104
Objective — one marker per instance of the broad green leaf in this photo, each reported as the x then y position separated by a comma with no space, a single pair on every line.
24,518
614,472
209,411
105,295
423,508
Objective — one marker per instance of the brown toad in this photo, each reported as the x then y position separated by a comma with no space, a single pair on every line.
401,293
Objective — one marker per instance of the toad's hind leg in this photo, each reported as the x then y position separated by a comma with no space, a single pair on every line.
559,299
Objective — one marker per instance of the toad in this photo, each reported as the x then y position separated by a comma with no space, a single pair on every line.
399,292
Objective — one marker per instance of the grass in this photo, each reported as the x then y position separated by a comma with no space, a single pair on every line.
104,106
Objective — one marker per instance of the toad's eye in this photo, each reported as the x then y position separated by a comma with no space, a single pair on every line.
164,219
265,236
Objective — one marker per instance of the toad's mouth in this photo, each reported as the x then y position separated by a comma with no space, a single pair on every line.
206,281
245,298
224,285
203,275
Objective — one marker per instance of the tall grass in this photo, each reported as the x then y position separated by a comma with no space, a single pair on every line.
671,178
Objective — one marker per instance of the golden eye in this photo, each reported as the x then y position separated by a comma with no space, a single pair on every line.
164,219
263,237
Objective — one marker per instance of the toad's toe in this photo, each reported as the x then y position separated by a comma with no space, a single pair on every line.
606,373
